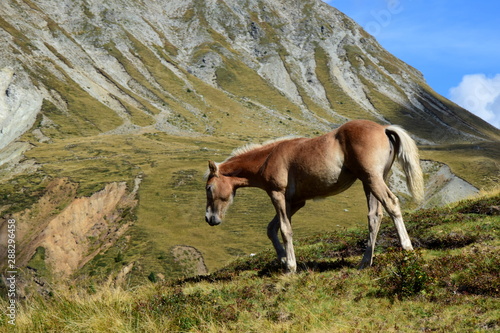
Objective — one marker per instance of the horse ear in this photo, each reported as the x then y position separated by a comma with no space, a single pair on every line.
214,170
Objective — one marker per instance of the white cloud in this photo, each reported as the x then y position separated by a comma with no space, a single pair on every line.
480,95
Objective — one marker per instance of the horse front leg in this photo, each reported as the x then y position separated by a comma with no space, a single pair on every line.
273,228
283,211
272,233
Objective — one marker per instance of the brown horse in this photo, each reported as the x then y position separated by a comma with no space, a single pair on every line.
293,170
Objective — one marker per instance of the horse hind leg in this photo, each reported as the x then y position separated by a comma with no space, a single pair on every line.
391,204
375,214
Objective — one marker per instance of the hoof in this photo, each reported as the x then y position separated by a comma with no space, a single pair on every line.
289,269
364,264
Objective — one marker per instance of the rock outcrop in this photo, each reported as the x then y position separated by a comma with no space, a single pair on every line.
20,102
71,230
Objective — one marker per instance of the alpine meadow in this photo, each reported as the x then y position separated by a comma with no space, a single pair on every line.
109,112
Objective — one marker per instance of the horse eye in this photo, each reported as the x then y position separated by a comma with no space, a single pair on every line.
209,191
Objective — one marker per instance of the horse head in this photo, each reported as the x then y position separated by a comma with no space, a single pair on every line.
220,193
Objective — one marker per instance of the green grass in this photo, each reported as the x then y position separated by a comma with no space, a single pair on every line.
454,288
91,162
37,263
240,80
85,116
481,157
21,192
171,203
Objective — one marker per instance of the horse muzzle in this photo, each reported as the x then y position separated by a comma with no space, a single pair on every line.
213,220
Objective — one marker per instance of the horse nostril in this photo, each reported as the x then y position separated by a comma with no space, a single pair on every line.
206,219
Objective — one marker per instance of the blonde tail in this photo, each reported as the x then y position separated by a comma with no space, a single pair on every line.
407,155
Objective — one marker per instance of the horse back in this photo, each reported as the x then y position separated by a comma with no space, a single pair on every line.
307,167
326,165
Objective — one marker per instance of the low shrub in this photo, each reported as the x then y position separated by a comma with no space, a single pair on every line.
402,273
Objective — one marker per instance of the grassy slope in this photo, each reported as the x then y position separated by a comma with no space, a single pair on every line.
481,157
171,206
172,200
171,203
453,285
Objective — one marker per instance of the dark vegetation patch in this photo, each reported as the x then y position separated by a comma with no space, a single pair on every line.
476,271
401,274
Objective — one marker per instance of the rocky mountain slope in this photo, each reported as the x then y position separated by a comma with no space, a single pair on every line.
103,94
122,66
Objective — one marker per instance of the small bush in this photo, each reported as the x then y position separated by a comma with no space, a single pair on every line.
450,240
403,273
119,257
152,277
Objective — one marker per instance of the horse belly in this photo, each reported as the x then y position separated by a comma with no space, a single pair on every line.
322,180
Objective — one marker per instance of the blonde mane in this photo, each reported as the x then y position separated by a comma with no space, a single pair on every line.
252,146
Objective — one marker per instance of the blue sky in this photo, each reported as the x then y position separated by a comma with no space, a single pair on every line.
455,44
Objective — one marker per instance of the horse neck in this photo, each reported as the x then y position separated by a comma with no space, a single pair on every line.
242,171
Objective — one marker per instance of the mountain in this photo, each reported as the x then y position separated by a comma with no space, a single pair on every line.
109,111
181,66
